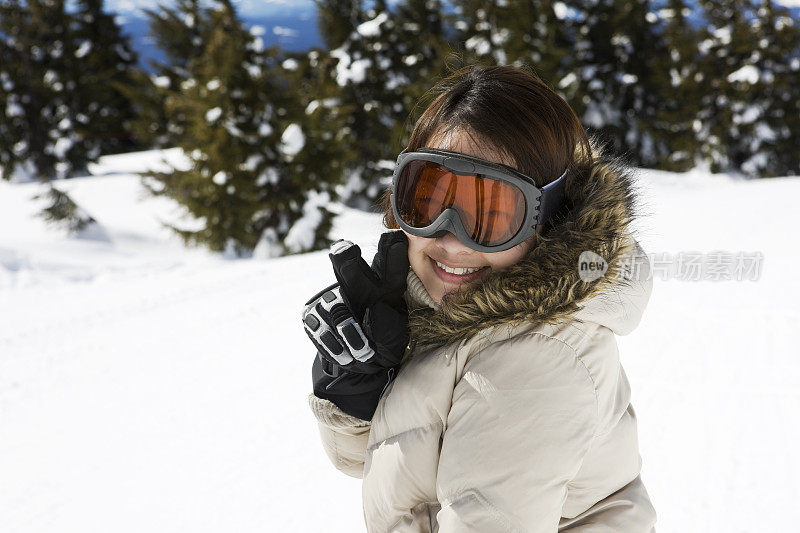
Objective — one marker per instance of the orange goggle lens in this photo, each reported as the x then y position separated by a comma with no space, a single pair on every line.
491,211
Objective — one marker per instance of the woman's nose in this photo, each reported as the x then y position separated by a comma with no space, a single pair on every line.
451,245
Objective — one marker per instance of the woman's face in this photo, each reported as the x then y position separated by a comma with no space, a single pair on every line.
423,253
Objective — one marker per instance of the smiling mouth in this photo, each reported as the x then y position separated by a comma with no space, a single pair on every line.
456,275
457,270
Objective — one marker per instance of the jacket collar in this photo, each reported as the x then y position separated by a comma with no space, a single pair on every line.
546,286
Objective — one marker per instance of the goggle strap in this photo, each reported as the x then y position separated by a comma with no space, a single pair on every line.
551,199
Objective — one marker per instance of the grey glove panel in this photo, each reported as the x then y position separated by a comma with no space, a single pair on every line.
331,326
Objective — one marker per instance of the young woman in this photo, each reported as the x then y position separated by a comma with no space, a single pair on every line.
471,375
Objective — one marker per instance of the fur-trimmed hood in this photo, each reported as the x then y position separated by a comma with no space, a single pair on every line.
546,285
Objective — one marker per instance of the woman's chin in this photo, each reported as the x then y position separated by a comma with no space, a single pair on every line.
437,288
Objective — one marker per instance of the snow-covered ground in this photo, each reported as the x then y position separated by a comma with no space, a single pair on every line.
147,387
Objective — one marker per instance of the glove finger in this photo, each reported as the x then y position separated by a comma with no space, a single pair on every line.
329,346
320,293
359,284
386,326
319,326
391,261
353,336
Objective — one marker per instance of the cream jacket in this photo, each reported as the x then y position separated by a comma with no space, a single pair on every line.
511,411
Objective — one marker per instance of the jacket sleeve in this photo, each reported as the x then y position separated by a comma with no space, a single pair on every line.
344,437
523,417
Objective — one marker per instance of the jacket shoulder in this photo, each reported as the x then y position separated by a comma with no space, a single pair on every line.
592,346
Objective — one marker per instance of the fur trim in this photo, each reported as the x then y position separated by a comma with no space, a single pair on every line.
544,286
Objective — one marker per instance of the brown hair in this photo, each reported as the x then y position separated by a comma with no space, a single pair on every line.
509,110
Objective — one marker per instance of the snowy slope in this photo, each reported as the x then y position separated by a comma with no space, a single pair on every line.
146,387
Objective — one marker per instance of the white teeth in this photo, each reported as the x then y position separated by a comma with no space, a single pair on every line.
459,271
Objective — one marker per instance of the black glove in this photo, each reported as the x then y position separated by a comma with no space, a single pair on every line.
360,325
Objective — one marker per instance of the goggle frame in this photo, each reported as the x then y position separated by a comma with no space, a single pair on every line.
465,165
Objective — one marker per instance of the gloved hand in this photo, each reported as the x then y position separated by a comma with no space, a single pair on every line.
360,325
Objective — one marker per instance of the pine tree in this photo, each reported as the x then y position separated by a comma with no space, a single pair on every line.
58,73
61,210
59,108
616,78
104,62
180,33
256,179
540,38
38,132
728,82
382,67
677,90
483,29
337,19
774,117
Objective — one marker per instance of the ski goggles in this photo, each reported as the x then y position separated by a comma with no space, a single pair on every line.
488,206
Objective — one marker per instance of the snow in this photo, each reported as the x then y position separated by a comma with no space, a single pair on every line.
6,82
349,70
723,34
83,49
62,146
267,246
675,78
501,36
220,178
372,28
264,129
292,140
50,78
20,147
142,162
270,175
302,233
567,80
290,64
312,106
750,115
213,114
257,45
598,114
755,163
747,74
479,44
251,163
161,81
13,109
358,70
145,386
561,10
395,80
